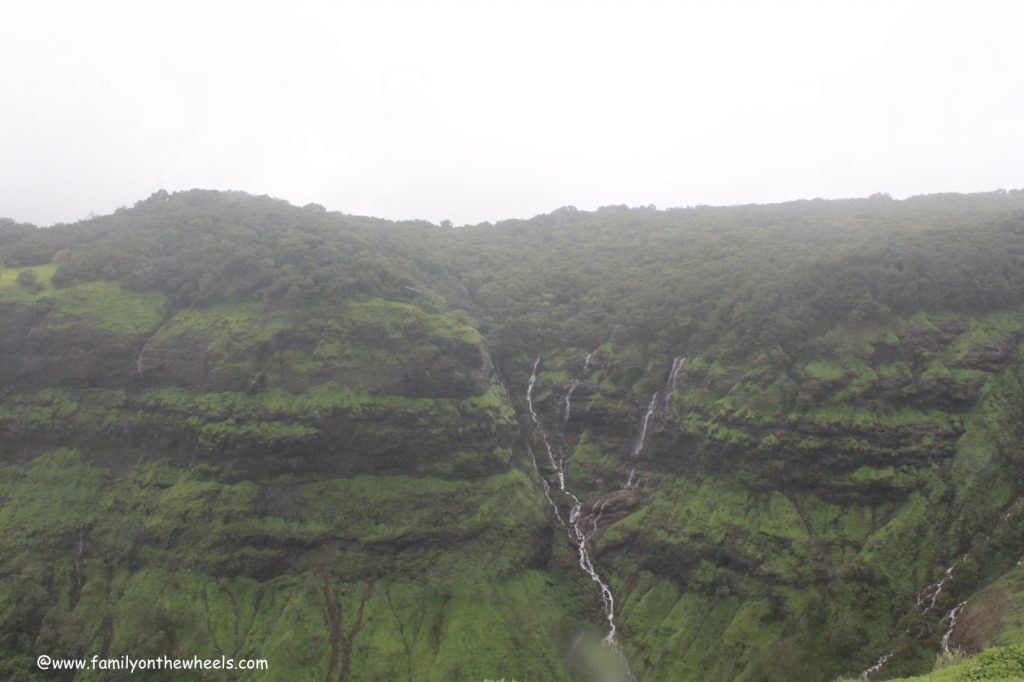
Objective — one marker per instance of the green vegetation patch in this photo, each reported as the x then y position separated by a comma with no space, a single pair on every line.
21,285
102,304
823,370
997,664
107,305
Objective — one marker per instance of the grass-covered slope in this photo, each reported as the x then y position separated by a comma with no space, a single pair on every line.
368,577
998,664
790,516
335,487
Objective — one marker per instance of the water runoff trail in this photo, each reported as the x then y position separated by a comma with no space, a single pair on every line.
925,603
659,401
576,533
578,528
575,524
928,597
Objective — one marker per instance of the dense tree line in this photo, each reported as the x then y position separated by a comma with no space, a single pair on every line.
748,277
759,277
203,247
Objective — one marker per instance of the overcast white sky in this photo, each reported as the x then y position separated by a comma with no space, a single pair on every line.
487,110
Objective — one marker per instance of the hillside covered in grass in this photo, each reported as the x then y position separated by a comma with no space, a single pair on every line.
233,426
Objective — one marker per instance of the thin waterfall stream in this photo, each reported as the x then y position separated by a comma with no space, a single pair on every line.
878,665
578,528
658,400
573,385
953,616
576,533
925,602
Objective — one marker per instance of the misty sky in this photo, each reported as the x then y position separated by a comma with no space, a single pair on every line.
477,111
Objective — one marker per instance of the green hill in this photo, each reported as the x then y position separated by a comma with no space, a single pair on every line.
230,426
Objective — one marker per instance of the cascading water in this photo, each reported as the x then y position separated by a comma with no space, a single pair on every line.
575,525
586,563
638,446
677,364
573,385
652,406
595,515
929,595
879,664
953,616
557,464
567,400
926,600
931,592
630,483
546,486
575,532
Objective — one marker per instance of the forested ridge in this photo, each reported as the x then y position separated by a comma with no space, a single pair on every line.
761,276
784,422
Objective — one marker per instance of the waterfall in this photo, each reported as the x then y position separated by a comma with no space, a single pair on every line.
567,400
573,385
630,480
576,534
953,616
555,465
557,458
587,565
594,520
677,364
138,361
546,487
670,385
639,445
879,664
930,595
932,592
